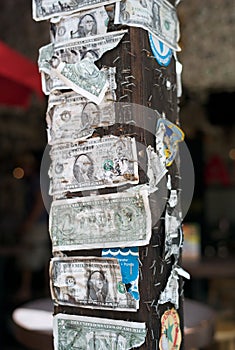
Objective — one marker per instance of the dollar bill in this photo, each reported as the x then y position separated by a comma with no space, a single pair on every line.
91,283
96,163
73,64
83,77
45,9
52,83
75,50
72,117
80,25
158,17
73,332
104,221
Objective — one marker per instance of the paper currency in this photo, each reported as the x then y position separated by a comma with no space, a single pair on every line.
70,65
109,161
82,24
73,332
104,221
83,77
71,117
90,282
51,82
45,9
128,259
159,17
75,50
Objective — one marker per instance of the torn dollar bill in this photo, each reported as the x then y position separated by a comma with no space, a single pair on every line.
84,77
73,51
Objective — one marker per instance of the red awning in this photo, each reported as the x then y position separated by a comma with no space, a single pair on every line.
19,77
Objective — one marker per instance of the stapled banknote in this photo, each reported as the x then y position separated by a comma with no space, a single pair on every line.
158,17
105,221
45,9
72,117
109,161
89,333
90,282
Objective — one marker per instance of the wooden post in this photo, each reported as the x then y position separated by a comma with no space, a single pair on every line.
143,85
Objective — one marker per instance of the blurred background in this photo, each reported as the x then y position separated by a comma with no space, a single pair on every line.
207,118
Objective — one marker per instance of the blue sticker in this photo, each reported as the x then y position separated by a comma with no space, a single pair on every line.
128,259
161,52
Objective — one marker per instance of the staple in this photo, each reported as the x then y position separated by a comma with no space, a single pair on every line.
157,284
116,59
155,245
153,264
122,97
148,308
162,268
152,302
141,275
158,70
130,76
152,333
147,52
146,251
126,42
150,97
126,70
140,262
156,85
132,84
128,90
131,53
147,68
124,82
154,270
